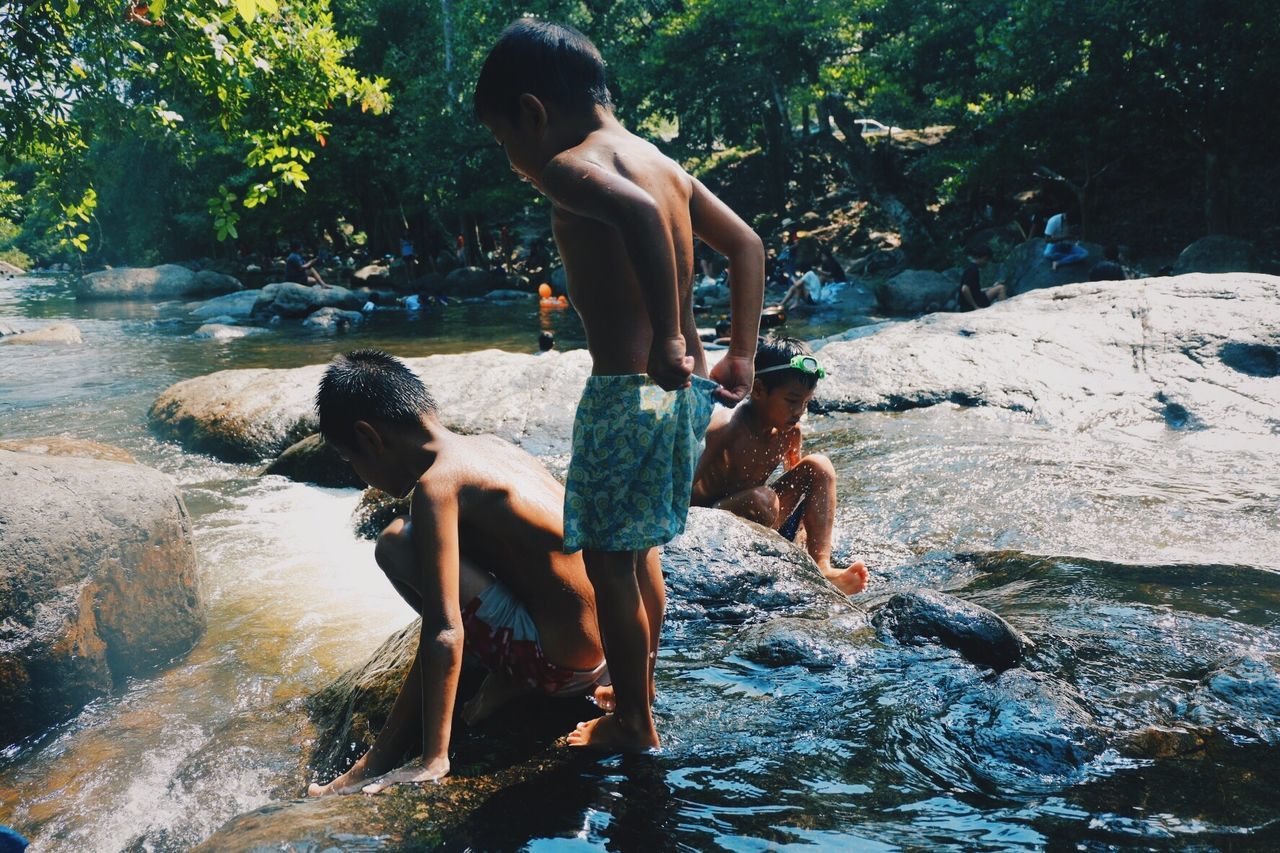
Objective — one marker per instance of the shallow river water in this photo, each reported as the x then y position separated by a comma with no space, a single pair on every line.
1145,567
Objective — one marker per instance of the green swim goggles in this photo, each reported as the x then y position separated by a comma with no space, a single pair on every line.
803,363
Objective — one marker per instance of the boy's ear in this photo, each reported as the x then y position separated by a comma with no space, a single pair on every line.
758,390
368,439
534,111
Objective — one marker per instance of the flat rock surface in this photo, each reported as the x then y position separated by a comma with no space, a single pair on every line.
167,281
58,333
257,413
97,582
62,445
1192,352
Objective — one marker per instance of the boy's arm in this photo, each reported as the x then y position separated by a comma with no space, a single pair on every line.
585,189
435,549
722,229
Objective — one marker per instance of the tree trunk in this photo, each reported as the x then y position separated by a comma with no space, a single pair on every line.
1221,194
915,237
446,15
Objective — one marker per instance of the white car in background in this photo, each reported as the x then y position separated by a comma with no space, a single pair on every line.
871,127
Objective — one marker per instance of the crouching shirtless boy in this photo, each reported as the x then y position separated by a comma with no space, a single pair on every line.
480,558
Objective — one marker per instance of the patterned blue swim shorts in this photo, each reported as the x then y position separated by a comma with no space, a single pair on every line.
635,448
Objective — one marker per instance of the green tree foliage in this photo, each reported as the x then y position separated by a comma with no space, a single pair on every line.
178,83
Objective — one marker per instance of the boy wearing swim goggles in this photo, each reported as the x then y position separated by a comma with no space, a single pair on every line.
745,447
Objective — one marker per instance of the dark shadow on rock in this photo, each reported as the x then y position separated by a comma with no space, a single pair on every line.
1252,359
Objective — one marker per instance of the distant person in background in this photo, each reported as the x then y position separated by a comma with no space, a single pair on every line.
972,295
298,271
1060,250
546,343
1108,269
807,289
407,256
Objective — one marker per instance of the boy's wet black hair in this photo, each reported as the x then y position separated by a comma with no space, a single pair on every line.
981,250
546,341
553,62
371,386
777,350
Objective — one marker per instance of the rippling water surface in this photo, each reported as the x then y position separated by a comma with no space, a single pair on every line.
1146,567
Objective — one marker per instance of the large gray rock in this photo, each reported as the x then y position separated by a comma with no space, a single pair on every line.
1025,267
473,281
58,333
167,281
313,460
97,583
916,292
934,617
288,299
229,305
257,413
1217,253
1193,352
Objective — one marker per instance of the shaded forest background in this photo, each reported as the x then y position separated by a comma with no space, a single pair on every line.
139,134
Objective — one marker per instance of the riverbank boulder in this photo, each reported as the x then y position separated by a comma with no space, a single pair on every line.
928,616
256,413
1217,253
916,292
1025,267
97,583
1192,353
313,460
58,333
473,282
167,281
239,304
289,299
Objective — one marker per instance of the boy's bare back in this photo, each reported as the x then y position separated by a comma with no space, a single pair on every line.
612,164
510,525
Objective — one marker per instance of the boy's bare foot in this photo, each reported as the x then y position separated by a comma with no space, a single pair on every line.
850,581
603,697
347,783
410,773
495,691
608,734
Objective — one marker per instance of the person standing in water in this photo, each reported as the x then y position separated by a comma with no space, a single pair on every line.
624,217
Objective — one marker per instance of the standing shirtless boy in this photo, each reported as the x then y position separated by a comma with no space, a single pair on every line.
480,559
743,451
624,218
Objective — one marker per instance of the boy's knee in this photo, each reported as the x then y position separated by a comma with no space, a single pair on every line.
820,465
392,545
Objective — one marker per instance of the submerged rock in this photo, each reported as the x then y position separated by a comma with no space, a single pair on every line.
63,445
167,281
222,332
97,582
974,631
333,320
313,460
58,333
257,413
1081,356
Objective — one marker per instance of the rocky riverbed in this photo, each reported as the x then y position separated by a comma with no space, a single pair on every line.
1101,666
